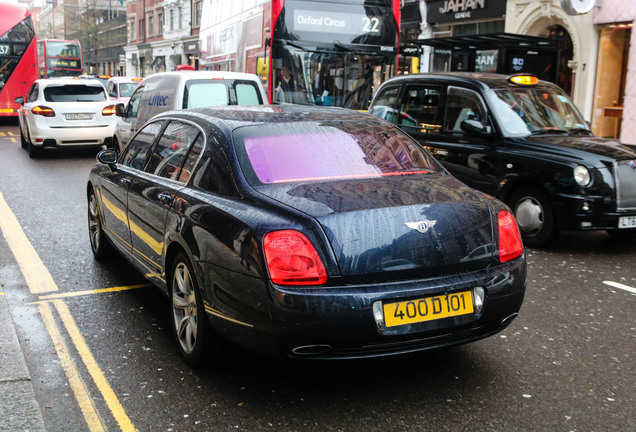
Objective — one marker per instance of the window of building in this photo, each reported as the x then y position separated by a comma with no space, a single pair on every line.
171,24
151,25
160,24
142,29
180,18
198,7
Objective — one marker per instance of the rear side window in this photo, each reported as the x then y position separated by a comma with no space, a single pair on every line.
207,94
247,94
463,104
311,152
419,108
74,93
172,149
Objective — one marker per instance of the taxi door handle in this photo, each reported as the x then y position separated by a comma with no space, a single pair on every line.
164,197
125,182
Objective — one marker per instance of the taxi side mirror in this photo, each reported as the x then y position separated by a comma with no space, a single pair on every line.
475,127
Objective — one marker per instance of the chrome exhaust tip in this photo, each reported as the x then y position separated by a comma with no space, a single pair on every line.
508,319
311,350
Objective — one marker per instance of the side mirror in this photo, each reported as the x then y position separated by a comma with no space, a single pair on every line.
475,127
108,157
120,110
19,100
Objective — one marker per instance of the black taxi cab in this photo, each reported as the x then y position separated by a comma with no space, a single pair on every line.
523,141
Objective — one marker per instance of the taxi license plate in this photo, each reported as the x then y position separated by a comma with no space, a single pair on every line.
627,222
428,308
79,116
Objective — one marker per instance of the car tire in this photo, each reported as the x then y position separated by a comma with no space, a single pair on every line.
100,245
195,337
34,151
534,215
23,141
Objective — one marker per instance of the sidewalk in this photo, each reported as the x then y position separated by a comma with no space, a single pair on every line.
19,411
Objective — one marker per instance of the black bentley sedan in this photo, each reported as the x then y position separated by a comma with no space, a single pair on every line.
315,233
523,141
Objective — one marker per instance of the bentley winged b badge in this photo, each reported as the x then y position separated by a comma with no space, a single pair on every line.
421,226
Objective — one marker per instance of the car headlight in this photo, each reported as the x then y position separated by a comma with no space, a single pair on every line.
582,175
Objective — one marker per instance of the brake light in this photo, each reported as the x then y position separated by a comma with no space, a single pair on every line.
109,110
292,259
510,244
43,111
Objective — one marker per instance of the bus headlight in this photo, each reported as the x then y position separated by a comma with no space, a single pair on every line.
582,175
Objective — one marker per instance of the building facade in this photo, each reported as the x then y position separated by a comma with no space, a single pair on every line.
590,58
161,35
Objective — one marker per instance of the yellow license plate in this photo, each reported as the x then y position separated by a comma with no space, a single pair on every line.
428,308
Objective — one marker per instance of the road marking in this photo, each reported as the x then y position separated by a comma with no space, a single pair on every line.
91,292
74,379
39,281
620,286
93,368
37,276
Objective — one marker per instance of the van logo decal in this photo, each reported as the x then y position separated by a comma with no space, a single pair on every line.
421,226
157,100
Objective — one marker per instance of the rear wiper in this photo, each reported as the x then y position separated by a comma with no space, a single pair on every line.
579,130
548,132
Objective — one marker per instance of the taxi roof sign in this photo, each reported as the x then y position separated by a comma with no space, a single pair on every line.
524,79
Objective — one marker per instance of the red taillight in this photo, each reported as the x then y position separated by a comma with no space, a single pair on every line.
292,259
109,110
43,111
510,244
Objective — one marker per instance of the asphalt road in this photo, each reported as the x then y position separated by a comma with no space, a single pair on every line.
97,342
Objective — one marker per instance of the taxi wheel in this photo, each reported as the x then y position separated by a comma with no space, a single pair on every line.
534,215
196,340
99,243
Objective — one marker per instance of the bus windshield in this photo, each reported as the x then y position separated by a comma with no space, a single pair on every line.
13,45
330,78
62,49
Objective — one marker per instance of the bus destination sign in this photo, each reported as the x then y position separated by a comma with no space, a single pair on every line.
335,22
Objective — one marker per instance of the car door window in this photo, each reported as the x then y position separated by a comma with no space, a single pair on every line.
192,159
133,104
463,104
419,109
139,148
384,105
171,150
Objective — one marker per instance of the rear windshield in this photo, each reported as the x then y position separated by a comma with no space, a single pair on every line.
313,152
205,93
74,93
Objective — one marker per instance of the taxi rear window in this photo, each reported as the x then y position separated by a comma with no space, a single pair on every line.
315,152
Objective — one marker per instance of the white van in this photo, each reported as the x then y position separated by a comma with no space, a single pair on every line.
186,89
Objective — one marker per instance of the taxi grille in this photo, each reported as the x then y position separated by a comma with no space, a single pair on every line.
625,173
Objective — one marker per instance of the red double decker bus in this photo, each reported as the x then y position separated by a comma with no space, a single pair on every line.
317,52
59,58
18,55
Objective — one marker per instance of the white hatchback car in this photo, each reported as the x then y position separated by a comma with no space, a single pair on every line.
66,113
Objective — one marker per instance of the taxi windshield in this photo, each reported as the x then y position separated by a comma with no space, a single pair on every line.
523,111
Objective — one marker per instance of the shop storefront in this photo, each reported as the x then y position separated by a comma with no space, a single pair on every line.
614,110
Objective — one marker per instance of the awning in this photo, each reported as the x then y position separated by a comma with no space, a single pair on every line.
491,41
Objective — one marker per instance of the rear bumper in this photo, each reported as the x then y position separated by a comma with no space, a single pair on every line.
339,322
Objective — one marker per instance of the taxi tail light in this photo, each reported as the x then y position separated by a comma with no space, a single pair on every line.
43,111
109,110
292,259
510,244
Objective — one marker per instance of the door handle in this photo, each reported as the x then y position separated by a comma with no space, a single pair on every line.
125,182
164,197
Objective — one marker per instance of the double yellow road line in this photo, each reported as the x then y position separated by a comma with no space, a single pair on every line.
40,283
